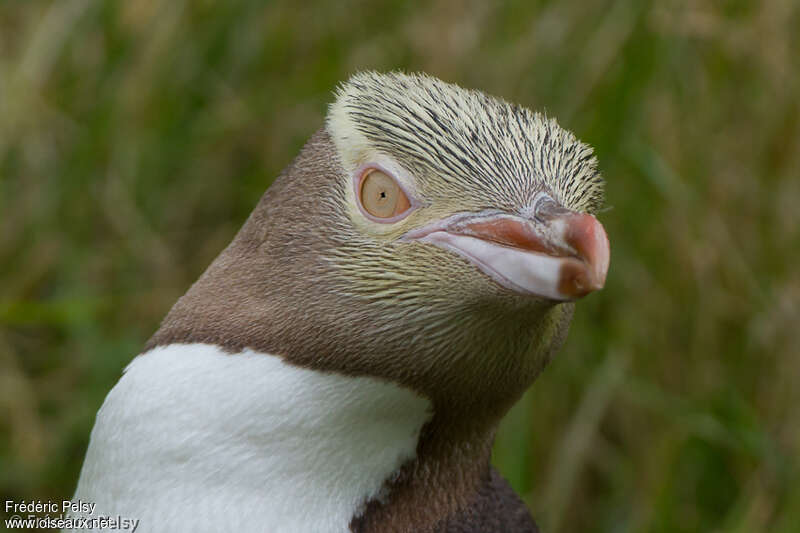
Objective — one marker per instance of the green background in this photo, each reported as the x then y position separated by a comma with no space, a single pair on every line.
136,136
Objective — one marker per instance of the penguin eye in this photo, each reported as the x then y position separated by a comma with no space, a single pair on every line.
381,196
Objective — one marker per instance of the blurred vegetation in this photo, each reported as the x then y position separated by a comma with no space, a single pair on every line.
135,138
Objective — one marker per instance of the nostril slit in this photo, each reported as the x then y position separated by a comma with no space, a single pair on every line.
539,206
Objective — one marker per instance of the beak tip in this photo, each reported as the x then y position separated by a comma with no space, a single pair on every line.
589,239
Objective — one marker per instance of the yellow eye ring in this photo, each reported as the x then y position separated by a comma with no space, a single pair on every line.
381,197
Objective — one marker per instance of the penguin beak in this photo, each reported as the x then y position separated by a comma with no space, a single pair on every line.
558,254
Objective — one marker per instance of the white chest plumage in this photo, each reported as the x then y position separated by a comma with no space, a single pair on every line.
196,439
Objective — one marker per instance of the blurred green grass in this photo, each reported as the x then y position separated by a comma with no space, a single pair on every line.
135,137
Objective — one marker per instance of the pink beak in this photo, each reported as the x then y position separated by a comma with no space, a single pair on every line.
563,256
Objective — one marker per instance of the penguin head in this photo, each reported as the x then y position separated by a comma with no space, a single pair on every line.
507,191
429,235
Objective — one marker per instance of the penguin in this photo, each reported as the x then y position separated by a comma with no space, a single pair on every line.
344,363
